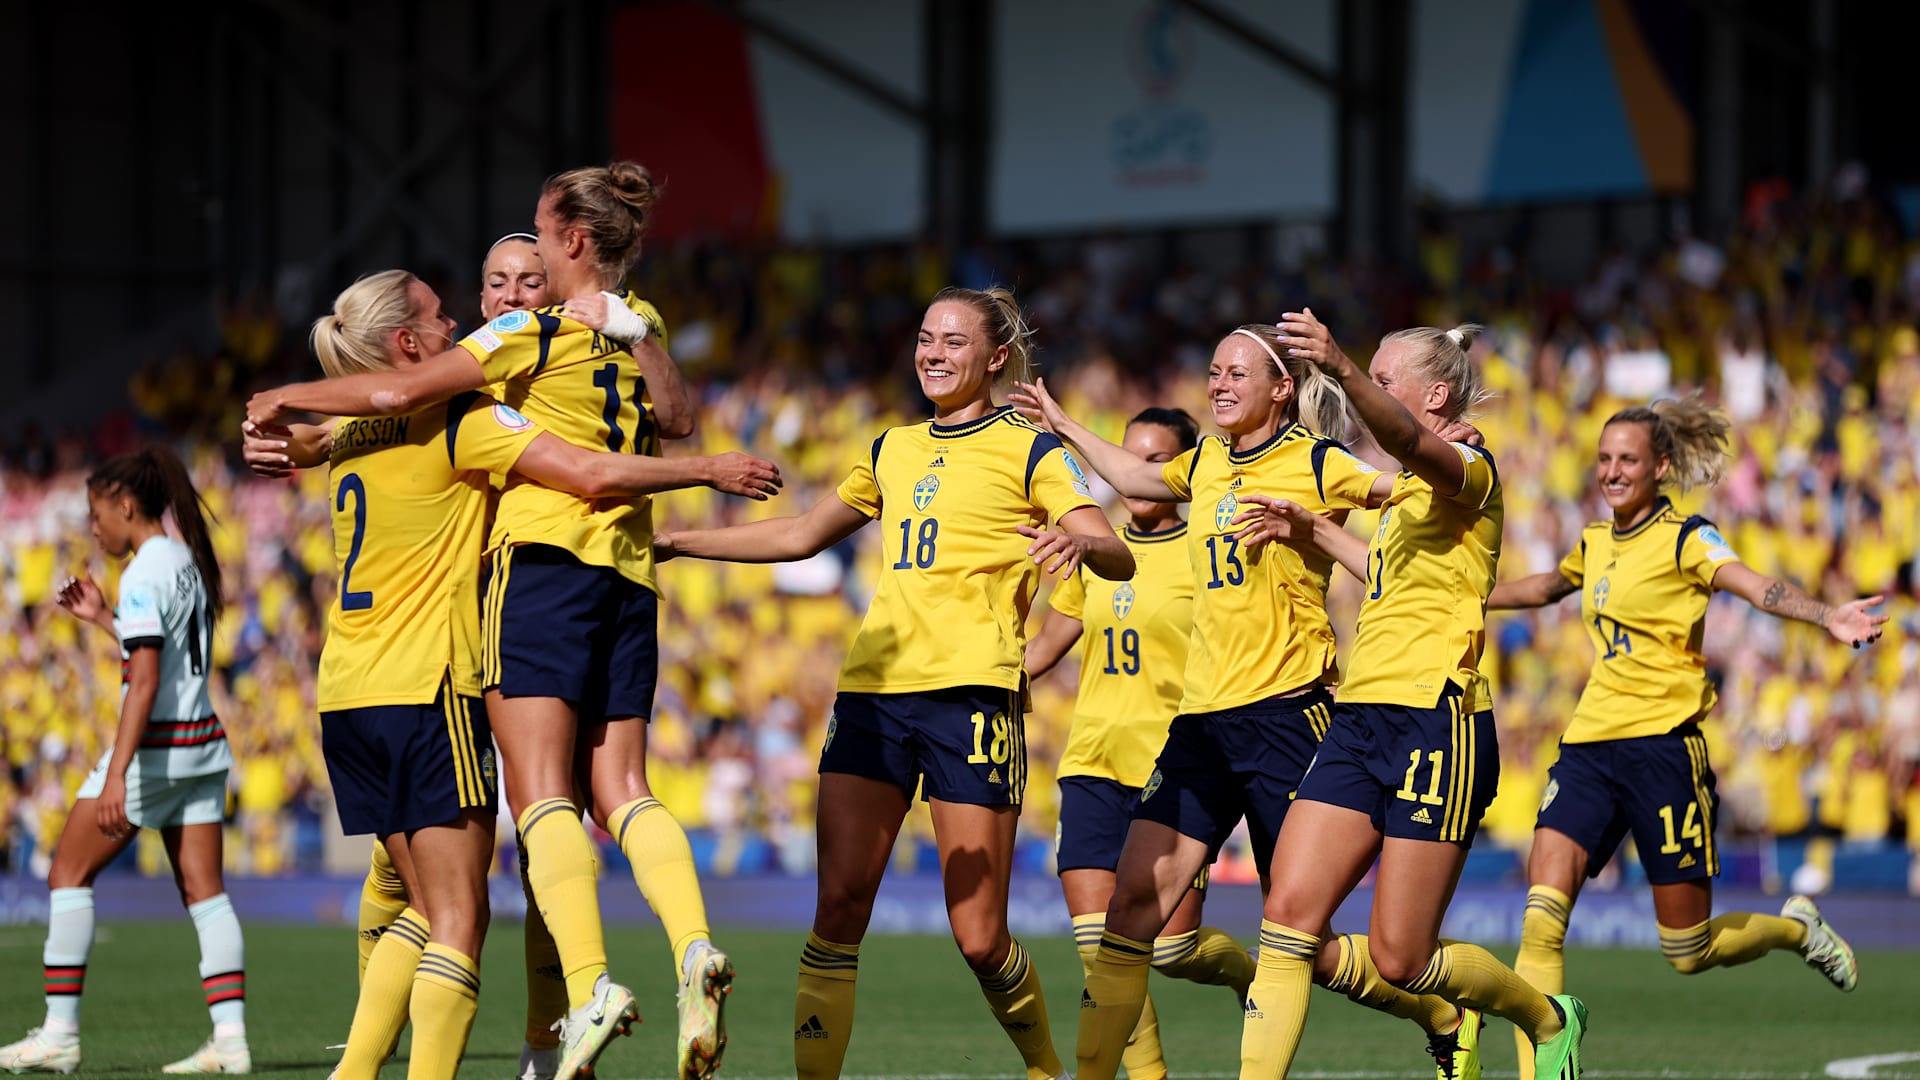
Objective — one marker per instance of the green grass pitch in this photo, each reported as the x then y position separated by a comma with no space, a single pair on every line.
920,1013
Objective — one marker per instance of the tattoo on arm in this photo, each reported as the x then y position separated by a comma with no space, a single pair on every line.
1560,588
1788,602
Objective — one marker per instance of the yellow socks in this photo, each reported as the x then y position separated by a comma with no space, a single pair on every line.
1543,959
560,872
381,1013
1277,1001
1360,981
1469,975
546,982
383,896
823,1008
1111,1004
1143,1058
656,845
1013,993
1207,956
446,994
1729,940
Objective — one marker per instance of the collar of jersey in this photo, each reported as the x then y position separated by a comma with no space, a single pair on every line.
1241,457
1660,507
1156,538
954,431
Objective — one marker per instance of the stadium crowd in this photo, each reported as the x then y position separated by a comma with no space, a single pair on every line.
1802,324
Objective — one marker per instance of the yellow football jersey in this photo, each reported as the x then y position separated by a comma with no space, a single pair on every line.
409,498
1259,617
958,583
586,389
1643,597
1423,618
1133,658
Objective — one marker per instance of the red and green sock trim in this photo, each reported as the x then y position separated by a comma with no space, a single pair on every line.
65,981
227,986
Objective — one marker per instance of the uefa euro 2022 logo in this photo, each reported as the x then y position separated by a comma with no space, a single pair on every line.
1160,142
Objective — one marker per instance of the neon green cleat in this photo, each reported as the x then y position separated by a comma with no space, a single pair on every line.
704,986
1559,1057
586,1031
1457,1053
1824,951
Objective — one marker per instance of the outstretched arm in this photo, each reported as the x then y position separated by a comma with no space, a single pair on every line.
373,393
1399,432
1132,476
1533,591
781,539
1270,519
1056,638
556,463
1849,623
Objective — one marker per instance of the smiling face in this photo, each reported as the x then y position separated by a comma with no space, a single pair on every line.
1241,386
956,359
1628,472
1391,372
514,279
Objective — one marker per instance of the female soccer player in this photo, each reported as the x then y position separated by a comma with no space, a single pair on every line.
571,607
1410,760
167,767
404,730
1131,674
931,694
1257,700
1633,759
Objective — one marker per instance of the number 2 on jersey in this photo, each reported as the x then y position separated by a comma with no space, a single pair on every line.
353,485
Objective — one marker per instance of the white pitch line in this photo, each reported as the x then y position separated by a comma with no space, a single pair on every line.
1862,1068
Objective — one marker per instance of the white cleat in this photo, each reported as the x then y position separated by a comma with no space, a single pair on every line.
586,1031
41,1052
705,982
229,1055
1825,951
538,1063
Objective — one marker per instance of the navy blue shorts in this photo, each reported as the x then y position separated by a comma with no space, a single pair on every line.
1095,813
1660,788
1218,767
397,768
964,744
556,627
1419,774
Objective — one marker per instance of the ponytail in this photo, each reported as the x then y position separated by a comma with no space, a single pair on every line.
157,481
354,336
1005,326
1689,433
1319,404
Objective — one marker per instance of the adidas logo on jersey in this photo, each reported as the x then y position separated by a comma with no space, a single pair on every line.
812,1029
993,777
1235,486
1685,861
1422,816
1086,1000
1253,1011
938,463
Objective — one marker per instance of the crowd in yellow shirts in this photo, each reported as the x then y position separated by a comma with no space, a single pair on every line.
1803,326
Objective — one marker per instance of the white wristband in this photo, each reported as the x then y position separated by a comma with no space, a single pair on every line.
623,323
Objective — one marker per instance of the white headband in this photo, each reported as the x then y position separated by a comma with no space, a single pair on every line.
1262,342
1454,335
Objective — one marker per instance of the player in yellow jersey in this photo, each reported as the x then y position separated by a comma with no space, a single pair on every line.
404,731
1411,759
1633,760
571,607
1257,699
972,506
1132,670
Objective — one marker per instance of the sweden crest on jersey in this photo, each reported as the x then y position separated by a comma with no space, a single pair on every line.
1601,590
1224,511
1122,600
925,490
